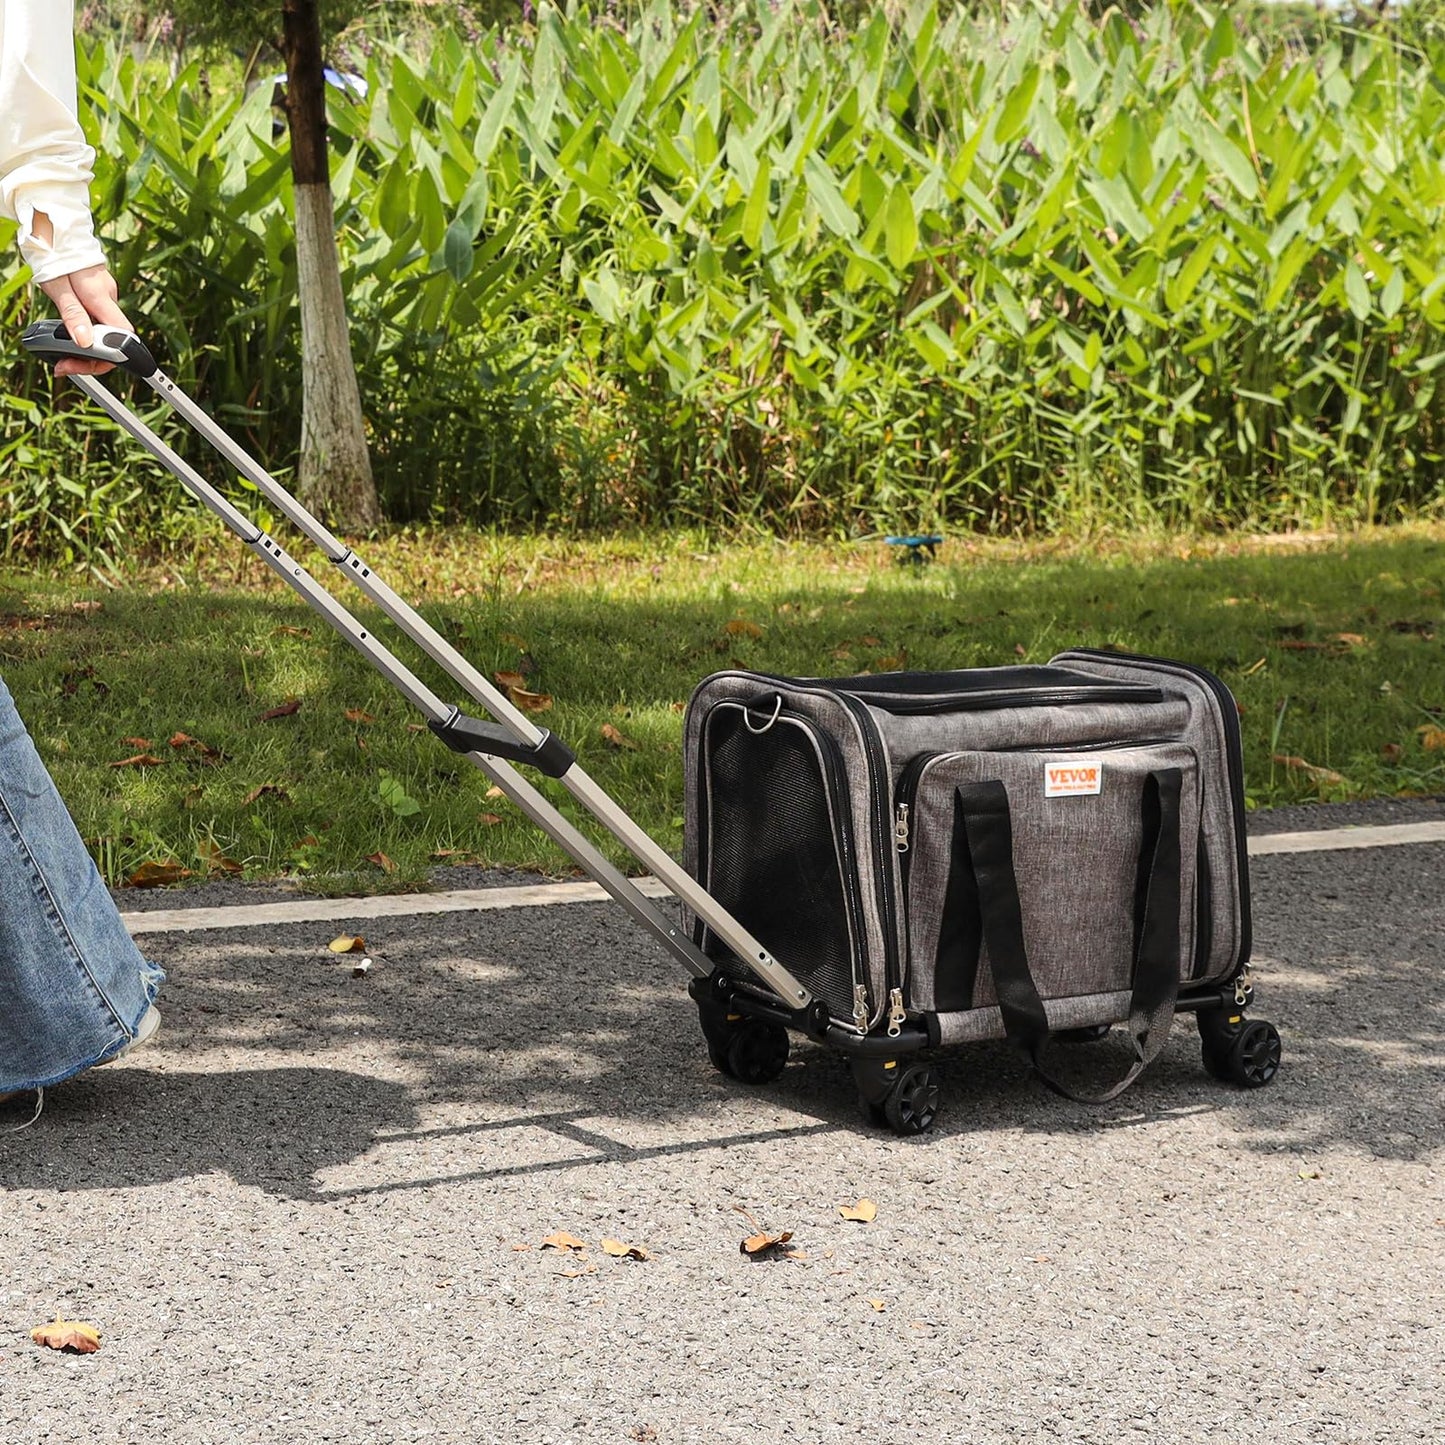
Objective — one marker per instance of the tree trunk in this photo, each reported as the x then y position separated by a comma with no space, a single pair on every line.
335,473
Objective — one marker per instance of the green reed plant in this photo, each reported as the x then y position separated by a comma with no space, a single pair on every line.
1020,267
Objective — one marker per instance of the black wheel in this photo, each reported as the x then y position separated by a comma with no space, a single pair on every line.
757,1052
912,1103
1216,1058
1089,1035
1254,1059
718,1054
875,1114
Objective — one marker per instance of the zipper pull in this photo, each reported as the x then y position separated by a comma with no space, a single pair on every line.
900,828
896,1013
860,1008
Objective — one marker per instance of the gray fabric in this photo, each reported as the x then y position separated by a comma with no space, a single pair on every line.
1088,725
1204,732
971,1025
1076,859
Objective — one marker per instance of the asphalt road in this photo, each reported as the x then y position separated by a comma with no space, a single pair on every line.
314,1210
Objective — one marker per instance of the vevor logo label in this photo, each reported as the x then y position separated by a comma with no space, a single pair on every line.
1077,777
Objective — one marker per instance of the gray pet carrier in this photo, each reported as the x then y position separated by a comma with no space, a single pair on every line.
1018,852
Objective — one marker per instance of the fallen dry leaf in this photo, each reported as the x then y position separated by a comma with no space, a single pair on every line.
741,627
1310,770
616,739
286,709
618,1250
348,943
86,606
509,680
521,1248
140,760
382,861
137,742
285,631
266,790
215,860
561,1240
358,715
494,792
1432,737
157,875
1349,639
490,819
76,1336
864,1212
1392,752
759,1244
530,701
185,740
879,1304
1308,1173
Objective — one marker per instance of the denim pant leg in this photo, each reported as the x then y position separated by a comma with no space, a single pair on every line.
73,986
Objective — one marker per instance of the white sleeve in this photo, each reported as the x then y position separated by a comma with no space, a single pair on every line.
45,164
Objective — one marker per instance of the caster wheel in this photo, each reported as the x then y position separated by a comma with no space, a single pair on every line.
1216,1059
1254,1060
912,1103
718,1029
718,1055
873,1113
1090,1035
757,1052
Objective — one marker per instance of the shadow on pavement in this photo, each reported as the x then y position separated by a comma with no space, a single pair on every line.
488,1046
272,1128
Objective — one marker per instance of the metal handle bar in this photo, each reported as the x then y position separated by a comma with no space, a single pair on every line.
48,344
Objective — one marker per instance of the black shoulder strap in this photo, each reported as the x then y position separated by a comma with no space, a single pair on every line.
989,833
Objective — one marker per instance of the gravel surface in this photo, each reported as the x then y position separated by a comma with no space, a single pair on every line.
313,1210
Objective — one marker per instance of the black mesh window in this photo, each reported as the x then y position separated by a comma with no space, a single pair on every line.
772,859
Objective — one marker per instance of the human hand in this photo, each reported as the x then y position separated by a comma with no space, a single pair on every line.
81,298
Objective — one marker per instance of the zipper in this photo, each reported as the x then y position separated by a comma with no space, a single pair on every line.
1234,763
904,797
882,818
995,701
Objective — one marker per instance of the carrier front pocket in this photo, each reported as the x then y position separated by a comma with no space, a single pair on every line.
1083,832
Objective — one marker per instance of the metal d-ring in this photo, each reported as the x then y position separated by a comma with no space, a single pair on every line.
767,726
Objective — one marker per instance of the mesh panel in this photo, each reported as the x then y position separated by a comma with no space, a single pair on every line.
772,860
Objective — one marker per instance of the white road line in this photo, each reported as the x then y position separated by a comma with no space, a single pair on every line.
1328,839
389,905
540,895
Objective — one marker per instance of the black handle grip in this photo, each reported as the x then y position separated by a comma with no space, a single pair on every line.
51,341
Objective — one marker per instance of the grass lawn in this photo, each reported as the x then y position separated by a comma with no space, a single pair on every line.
1335,648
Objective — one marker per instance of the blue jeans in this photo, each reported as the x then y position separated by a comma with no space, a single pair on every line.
73,985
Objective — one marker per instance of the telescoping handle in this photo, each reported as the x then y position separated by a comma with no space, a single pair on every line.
488,746
51,341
